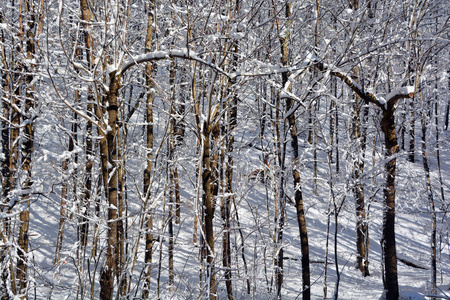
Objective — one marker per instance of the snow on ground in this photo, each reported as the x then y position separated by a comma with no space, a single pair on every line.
255,210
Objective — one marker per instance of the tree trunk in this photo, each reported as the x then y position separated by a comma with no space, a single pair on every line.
149,154
84,228
7,144
362,232
170,221
228,160
388,237
171,170
300,210
306,284
122,219
27,151
110,269
438,150
447,110
63,216
412,135
209,210
430,197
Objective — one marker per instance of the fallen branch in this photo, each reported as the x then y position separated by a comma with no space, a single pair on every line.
409,263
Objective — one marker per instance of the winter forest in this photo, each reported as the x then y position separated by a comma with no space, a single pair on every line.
260,149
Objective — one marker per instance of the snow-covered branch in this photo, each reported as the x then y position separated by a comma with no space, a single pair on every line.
402,92
184,53
176,53
390,100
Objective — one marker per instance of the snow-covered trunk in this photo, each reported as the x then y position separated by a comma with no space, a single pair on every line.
209,210
179,131
110,268
27,146
172,171
447,110
315,107
13,162
412,134
6,111
301,219
226,205
122,276
227,168
333,132
362,230
89,150
426,111
147,178
148,215
62,214
280,200
23,238
388,238
298,195
87,193
208,133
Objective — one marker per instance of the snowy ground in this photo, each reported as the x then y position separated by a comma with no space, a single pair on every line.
255,209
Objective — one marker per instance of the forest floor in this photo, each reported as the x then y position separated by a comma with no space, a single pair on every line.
255,212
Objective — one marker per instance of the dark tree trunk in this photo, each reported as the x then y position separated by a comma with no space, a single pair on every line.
228,161
112,260
173,184
306,282
426,110
388,238
6,171
149,154
412,135
209,210
301,219
362,230
27,148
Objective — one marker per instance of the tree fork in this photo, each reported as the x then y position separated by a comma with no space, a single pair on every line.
390,140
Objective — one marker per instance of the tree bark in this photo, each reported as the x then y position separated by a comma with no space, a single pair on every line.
209,210
84,227
112,260
27,151
227,200
173,185
122,219
298,195
149,153
7,178
430,197
412,135
388,237
362,230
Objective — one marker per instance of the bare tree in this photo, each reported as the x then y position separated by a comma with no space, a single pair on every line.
390,140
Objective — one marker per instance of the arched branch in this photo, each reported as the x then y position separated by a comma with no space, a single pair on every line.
175,53
383,103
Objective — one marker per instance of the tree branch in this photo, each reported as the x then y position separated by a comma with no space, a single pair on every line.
383,103
159,55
